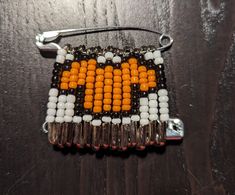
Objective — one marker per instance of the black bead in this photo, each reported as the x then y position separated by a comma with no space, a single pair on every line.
134,104
54,85
66,67
93,56
152,90
83,57
57,65
78,112
108,62
56,71
134,111
106,113
80,94
63,92
100,65
135,96
96,115
161,85
125,113
117,65
149,62
144,94
135,86
72,91
87,111
124,59
142,62
55,79
81,88
67,62
115,115
162,80
160,67
161,73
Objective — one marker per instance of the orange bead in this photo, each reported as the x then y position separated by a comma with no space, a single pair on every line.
125,71
134,66
99,84
66,74
108,81
90,73
91,67
99,71
73,78
125,65
81,81
92,62
134,80
107,107
143,75
75,65
87,105
132,61
64,86
89,85
83,70
108,75
134,73
144,87
151,72
117,97
99,78
152,84
73,85
81,75
107,95
126,89
99,90
88,98
126,107
151,78
126,77
126,83
142,69
98,96
97,109
117,72
117,102
89,92
143,80
83,63
116,108
90,79
117,79
108,69
117,91
74,71
126,95
65,79
108,89
117,85
97,103
126,101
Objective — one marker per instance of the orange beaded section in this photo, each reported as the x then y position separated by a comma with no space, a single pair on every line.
126,89
143,78
108,83
74,71
152,82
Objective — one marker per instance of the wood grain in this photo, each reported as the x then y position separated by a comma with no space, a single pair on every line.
200,68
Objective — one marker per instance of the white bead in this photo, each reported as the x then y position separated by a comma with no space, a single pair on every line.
148,56
152,96
53,92
144,115
69,112
163,110
101,59
163,105
52,99
116,59
108,55
68,119
96,122
51,112
144,108
60,105
60,59
59,119
162,92
116,120
69,57
153,110
69,105
164,117
71,98
60,112
153,103
51,105
62,98
77,119
50,119
144,121
126,120
106,119
144,101
87,117
61,52
135,117
153,117
163,99
156,54
158,61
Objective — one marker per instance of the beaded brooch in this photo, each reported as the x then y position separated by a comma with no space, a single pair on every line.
108,98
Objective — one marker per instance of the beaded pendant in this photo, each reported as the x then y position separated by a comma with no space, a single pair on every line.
108,98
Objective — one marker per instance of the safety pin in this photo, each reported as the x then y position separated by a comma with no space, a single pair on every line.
44,41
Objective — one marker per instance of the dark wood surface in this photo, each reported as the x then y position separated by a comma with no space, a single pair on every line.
200,68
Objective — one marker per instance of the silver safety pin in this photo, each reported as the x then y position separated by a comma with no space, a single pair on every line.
44,41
